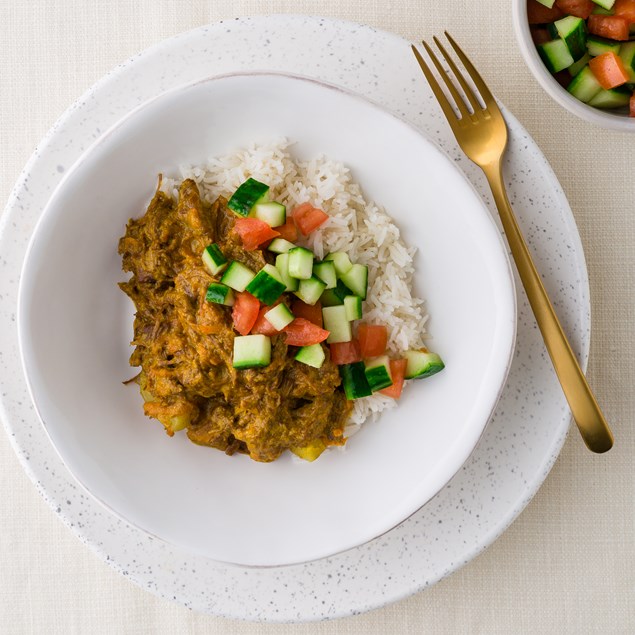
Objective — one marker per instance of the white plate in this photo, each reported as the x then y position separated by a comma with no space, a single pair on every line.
233,509
530,422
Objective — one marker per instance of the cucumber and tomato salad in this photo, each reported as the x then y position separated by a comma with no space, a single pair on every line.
313,303
589,46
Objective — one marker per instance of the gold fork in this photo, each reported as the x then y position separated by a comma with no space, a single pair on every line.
482,134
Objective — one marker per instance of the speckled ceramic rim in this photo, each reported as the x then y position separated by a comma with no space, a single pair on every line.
605,119
507,311
397,589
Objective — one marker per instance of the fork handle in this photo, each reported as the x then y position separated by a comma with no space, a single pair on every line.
587,414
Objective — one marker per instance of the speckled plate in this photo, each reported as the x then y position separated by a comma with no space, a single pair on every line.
520,444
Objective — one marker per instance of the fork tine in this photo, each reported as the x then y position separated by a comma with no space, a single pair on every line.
448,82
488,98
448,111
467,89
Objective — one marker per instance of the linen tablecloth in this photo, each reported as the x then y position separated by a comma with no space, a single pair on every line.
567,565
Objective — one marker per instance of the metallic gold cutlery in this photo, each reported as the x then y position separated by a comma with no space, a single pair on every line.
481,133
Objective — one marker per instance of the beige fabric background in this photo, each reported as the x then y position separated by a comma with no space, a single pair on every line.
567,565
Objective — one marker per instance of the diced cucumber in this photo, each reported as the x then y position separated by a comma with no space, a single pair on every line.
280,246
357,280
378,372
310,291
274,214
575,68
325,271
237,276
353,306
220,294
547,3
597,45
584,86
422,363
213,259
605,4
555,55
341,261
300,263
279,317
251,351
333,297
613,98
601,11
572,31
354,380
336,322
282,265
627,53
311,355
267,286
247,195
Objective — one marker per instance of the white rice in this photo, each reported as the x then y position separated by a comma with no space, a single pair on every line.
356,226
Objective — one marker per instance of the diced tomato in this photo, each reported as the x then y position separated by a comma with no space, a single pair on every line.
262,326
307,218
245,312
312,313
539,35
632,112
539,14
625,9
301,332
372,340
578,8
345,352
288,231
397,372
609,70
254,232
613,27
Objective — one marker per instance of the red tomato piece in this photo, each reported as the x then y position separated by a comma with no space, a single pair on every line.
345,352
609,70
301,332
578,8
288,231
613,27
307,218
397,372
625,9
632,110
254,232
312,313
245,312
539,14
262,326
372,340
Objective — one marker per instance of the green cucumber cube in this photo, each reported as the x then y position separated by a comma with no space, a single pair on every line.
356,279
220,294
605,4
246,196
341,261
422,363
282,265
555,55
336,322
267,286
597,45
378,372
311,355
279,317
627,53
280,246
274,214
572,31
213,259
584,86
547,3
310,291
237,276
353,306
300,263
325,271
354,380
251,351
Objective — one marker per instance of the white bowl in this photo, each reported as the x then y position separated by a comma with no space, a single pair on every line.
75,325
605,118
